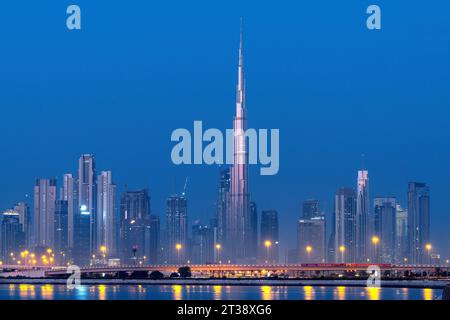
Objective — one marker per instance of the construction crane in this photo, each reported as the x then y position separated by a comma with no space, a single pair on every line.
185,187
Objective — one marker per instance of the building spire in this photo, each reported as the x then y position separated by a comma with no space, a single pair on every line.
241,79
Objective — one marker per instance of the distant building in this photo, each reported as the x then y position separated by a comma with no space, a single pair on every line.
61,231
252,238
106,214
362,217
345,226
401,235
311,240
177,229
384,212
154,235
69,193
44,213
223,204
202,244
12,237
269,236
311,208
418,221
25,220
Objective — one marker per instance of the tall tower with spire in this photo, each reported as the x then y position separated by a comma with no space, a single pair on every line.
238,222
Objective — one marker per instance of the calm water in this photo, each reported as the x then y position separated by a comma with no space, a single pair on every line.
178,292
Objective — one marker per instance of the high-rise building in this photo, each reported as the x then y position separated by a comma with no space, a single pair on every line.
311,240
44,213
25,220
61,246
237,222
418,221
177,229
12,237
85,215
106,213
69,193
345,225
136,229
223,204
154,240
269,236
252,238
202,244
384,216
401,235
362,217
311,208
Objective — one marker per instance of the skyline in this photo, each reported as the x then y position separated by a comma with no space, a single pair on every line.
330,169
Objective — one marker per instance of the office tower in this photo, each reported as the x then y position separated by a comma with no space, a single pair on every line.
345,225
401,235
202,244
61,231
362,217
12,237
311,208
44,213
177,232
418,221
252,238
384,216
269,236
311,240
69,193
106,213
85,217
25,220
154,240
223,204
238,216
135,225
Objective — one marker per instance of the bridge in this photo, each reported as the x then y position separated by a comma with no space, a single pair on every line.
252,270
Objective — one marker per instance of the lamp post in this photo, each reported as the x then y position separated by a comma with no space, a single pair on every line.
375,242
309,250
178,247
268,244
429,247
342,251
218,248
103,250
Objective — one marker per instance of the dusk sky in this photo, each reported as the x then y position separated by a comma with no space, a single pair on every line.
139,70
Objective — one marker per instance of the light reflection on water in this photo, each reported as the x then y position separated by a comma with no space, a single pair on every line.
202,292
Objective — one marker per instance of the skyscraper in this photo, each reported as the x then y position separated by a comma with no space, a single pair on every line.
136,229
238,217
61,231
362,217
44,213
401,235
25,220
223,204
311,240
345,225
85,215
202,244
12,237
153,240
69,193
269,236
106,213
311,208
177,229
384,216
252,239
418,221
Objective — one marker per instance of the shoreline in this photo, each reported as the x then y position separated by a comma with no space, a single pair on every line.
399,284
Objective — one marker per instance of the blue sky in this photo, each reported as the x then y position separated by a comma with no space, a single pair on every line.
137,71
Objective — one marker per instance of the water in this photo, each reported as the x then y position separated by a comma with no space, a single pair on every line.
178,292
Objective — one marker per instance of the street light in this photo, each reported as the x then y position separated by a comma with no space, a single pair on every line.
342,251
218,248
268,244
375,241
178,246
103,250
309,250
429,247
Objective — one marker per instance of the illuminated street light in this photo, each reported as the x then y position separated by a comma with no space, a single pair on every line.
218,248
268,244
309,250
429,247
375,242
178,246
342,251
